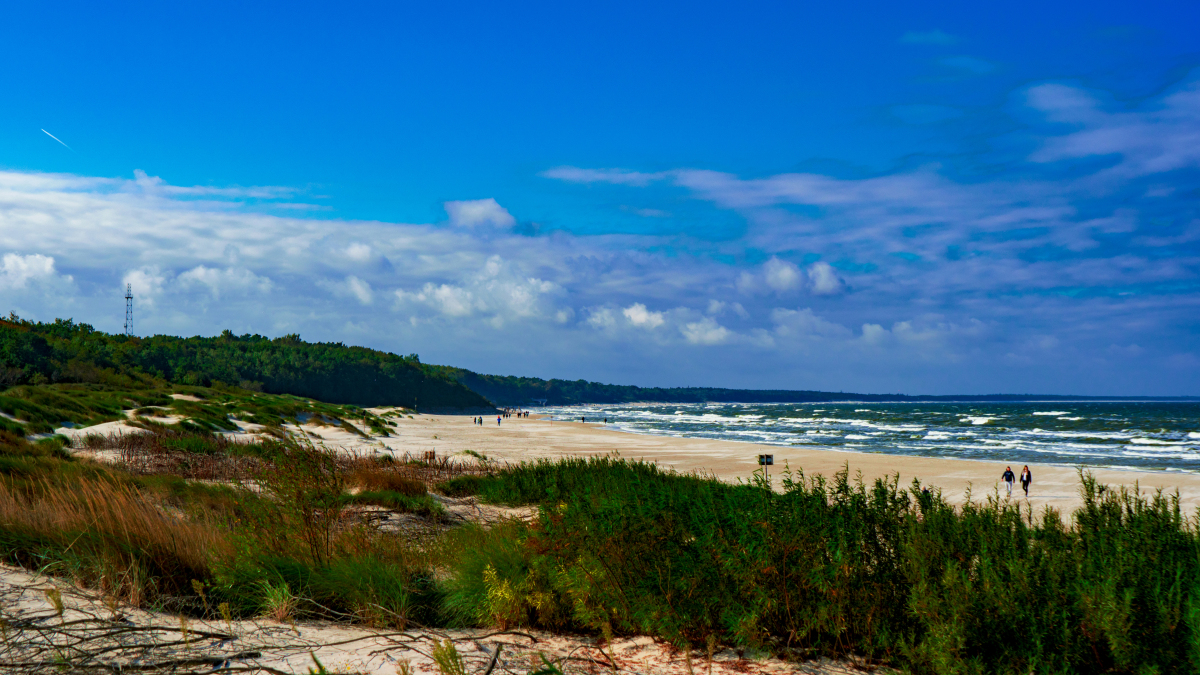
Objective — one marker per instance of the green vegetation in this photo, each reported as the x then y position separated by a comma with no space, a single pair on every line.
187,520
818,568
839,567
33,353
39,409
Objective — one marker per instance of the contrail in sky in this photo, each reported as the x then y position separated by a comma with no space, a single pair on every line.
56,138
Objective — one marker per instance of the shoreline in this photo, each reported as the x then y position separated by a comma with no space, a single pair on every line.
530,439
831,448
519,439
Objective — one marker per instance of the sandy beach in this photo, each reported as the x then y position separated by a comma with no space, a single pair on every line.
521,439
517,439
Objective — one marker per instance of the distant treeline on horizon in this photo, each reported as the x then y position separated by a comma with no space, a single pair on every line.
510,390
62,351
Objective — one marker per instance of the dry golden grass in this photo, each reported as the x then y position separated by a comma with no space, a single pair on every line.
108,536
370,475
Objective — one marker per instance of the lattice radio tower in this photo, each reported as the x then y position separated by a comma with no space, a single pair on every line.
128,309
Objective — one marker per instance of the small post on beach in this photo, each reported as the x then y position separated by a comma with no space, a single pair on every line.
765,461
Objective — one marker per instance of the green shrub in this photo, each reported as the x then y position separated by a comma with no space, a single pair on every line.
840,567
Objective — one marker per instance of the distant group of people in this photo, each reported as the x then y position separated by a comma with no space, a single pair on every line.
502,415
1008,477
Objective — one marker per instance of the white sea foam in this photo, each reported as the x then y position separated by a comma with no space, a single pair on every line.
1154,441
970,431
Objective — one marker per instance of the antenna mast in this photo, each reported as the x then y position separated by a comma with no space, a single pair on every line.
128,309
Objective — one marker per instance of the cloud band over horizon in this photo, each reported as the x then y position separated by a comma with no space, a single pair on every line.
1074,271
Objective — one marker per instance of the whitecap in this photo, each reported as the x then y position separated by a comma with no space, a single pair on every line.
1053,412
1154,441
977,420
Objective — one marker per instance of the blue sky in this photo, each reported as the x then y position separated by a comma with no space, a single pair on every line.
877,197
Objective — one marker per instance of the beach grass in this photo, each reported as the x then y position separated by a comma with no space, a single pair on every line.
814,567
838,567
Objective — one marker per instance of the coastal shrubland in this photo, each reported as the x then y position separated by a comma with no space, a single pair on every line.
838,567
835,567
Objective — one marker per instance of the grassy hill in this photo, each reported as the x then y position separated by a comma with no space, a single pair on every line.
62,359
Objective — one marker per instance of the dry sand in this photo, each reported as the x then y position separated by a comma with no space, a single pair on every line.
97,636
519,439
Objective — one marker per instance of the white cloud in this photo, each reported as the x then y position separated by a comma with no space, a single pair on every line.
358,252
706,331
153,185
16,271
640,317
479,212
350,287
781,276
805,324
601,318
446,299
496,291
225,280
147,284
360,289
614,176
915,240
824,280
1161,136
874,334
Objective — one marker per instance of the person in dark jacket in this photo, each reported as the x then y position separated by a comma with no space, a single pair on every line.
1008,477
1026,479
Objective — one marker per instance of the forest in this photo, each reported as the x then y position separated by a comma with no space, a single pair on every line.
65,352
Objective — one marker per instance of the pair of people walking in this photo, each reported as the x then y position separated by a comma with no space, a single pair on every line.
1008,477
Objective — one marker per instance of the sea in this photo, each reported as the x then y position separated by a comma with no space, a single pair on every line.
1125,435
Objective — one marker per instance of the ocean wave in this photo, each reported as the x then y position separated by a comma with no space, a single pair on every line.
1140,436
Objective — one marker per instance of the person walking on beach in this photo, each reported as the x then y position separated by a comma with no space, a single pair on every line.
1008,477
498,424
1026,479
